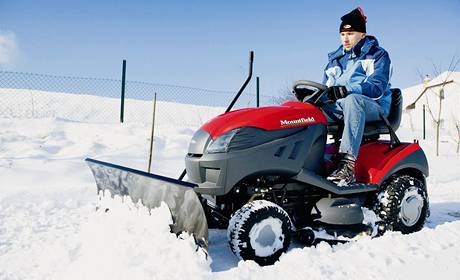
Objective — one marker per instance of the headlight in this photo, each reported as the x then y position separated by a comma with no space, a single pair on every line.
221,143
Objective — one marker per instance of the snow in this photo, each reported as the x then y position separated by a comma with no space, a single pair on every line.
18,103
370,218
50,228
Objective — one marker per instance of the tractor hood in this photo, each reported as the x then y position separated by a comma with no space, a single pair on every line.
288,115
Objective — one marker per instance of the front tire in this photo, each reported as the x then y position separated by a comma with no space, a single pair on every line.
403,204
259,231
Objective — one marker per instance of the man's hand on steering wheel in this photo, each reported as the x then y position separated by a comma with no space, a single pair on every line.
301,93
335,93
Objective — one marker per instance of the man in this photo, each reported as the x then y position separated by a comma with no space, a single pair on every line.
357,77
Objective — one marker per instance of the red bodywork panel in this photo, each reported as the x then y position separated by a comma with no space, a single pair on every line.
374,163
288,115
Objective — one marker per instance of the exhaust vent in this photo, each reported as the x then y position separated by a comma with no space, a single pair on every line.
280,151
295,150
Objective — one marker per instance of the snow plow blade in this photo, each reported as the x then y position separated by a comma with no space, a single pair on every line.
185,207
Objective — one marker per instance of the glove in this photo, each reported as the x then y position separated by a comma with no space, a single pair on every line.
335,93
301,93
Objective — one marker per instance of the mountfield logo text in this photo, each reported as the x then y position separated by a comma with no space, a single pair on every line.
297,122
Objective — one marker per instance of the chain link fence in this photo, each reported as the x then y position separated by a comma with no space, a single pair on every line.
27,95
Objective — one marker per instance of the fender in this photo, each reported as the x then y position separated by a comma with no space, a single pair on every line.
376,162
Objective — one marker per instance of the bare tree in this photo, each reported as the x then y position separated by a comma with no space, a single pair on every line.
457,126
285,95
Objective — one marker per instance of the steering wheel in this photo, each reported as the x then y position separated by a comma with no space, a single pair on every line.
308,91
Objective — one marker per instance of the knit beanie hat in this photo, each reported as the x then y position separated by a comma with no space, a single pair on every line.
354,21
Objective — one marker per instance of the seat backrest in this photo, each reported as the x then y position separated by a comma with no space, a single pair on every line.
374,129
394,117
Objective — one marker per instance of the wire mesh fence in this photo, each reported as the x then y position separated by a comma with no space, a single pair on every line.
28,95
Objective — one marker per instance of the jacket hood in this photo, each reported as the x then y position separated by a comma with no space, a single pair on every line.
369,42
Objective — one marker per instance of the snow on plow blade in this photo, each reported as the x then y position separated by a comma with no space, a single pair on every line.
186,210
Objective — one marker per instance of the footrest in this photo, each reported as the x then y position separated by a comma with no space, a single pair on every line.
318,181
355,187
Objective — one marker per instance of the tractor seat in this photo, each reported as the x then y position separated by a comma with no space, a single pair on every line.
374,129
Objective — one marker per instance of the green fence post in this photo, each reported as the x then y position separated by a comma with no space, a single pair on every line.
123,84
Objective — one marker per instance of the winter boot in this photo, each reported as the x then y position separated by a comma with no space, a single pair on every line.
344,175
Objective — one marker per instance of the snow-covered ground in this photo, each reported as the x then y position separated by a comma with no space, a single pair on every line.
50,229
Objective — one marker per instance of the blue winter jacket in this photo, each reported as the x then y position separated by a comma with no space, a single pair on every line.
366,69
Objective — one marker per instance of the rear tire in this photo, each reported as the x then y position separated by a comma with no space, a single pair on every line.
403,204
259,231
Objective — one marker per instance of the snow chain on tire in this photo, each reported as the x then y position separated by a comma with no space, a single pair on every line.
389,204
251,223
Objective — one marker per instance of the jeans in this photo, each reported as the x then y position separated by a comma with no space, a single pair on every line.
354,110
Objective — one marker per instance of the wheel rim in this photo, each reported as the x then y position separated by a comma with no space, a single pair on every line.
411,207
266,237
